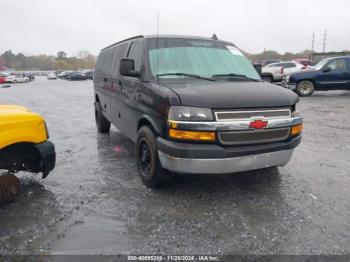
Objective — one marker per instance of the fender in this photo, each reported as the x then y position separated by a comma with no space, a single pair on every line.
147,119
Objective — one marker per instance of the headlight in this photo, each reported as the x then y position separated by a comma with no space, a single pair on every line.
185,113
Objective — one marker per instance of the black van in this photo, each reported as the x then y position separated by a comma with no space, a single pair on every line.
193,105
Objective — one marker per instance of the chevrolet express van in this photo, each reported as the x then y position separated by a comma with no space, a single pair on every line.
193,105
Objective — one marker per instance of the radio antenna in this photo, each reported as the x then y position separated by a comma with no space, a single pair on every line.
157,47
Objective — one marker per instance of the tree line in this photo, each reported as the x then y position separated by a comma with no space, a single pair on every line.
83,60
271,54
86,60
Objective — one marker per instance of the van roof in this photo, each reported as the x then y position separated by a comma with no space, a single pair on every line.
165,36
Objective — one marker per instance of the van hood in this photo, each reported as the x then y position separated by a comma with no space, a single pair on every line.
237,94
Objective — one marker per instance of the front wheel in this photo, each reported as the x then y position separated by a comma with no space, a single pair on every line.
305,88
150,170
102,123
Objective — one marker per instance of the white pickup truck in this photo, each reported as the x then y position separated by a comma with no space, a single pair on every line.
274,72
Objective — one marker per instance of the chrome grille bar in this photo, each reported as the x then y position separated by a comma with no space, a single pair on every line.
240,115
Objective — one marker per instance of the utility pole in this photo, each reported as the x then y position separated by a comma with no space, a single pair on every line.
324,40
312,46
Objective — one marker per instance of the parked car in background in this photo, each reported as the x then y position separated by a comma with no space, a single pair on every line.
65,74
16,79
267,62
329,74
2,78
77,77
303,61
291,67
274,72
52,76
89,75
30,76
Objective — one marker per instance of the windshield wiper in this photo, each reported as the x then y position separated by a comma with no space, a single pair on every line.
186,74
237,76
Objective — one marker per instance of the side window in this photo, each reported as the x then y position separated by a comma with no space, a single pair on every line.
338,65
119,54
289,65
135,52
107,61
98,68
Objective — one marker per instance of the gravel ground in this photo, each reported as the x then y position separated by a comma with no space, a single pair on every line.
94,203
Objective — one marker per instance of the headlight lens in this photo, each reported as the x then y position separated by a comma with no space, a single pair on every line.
185,113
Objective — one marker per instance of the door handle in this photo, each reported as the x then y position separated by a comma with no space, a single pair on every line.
105,79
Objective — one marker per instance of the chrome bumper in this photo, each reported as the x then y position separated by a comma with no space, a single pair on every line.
224,165
291,86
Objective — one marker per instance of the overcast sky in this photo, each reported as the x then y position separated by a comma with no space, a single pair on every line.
48,26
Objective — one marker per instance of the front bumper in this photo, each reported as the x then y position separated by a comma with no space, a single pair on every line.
225,165
47,157
215,159
291,86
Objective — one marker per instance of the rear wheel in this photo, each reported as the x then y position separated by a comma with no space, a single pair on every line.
102,123
9,188
150,170
305,88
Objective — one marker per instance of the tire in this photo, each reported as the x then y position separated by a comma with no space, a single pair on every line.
9,188
267,79
305,88
15,81
102,123
149,167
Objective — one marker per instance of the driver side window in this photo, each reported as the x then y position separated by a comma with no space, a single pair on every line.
338,65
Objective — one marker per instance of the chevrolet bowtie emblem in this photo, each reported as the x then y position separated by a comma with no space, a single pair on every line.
258,124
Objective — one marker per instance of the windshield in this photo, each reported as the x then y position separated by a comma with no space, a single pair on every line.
205,58
320,64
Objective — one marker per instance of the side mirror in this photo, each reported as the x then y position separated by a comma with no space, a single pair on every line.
127,68
326,69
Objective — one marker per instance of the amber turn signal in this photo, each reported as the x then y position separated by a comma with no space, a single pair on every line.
191,135
296,130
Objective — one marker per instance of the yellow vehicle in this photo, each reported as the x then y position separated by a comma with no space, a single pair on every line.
24,146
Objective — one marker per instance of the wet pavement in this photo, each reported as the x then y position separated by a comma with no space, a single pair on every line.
94,203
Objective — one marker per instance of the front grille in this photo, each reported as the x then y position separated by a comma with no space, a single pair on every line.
253,136
238,115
